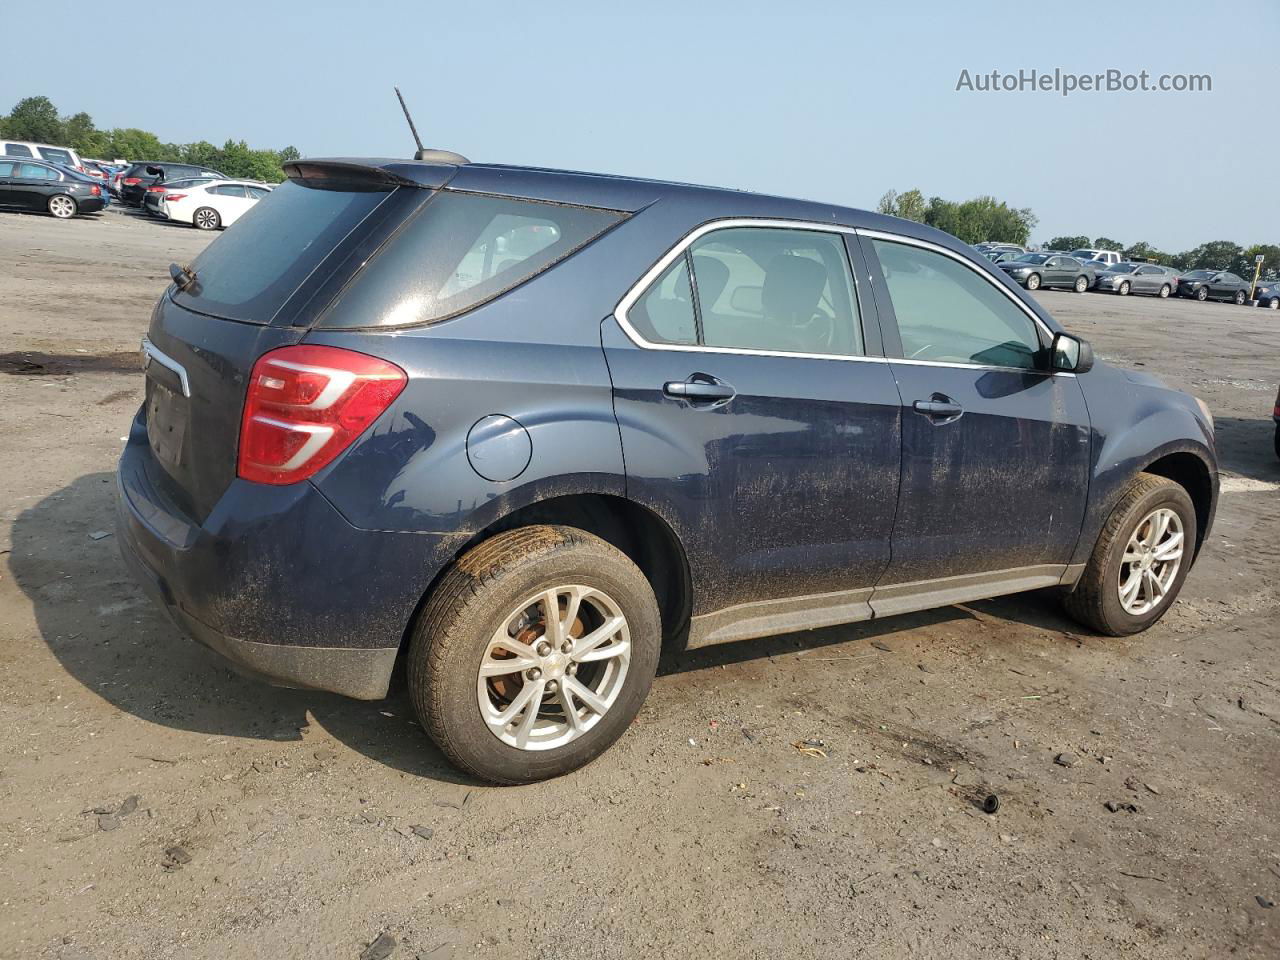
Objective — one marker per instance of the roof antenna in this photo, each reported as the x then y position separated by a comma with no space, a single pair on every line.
430,156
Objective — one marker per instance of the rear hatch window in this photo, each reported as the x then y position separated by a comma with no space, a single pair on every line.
459,251
251,271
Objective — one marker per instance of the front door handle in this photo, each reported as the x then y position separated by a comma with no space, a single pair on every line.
939,407
700,389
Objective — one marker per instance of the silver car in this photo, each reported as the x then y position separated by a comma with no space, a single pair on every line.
1148,278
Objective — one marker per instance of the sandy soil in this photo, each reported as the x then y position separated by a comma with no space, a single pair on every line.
706,831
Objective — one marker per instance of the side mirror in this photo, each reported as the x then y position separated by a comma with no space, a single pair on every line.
1071,354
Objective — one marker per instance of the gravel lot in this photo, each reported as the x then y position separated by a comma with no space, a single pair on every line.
705,831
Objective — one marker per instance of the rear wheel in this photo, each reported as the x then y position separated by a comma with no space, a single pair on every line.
1164,292
206,218
1082,283
1123,289
534,653
62,207
1140,560
1033,281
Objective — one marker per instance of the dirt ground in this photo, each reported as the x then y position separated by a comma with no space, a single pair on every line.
705,831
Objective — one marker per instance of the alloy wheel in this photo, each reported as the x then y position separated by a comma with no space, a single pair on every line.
554,667
1151,561
206,219
62,207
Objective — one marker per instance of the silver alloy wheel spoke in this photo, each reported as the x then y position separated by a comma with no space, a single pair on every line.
554,667
1151,560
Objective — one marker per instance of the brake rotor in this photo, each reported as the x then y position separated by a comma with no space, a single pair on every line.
508,685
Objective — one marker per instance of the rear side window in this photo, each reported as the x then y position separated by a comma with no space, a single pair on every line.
33,171
248,273
947,313
6,169
460,250
53,155
16,150
664,314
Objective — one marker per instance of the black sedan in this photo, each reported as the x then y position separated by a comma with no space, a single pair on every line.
1036,270
139,176
1213,285
35,185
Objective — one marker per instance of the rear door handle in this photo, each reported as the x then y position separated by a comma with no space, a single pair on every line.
700,389
939,407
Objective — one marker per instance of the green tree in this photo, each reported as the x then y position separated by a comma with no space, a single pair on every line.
79,132
908,206
1145,251
34,118
1106,243
1215,255
1067,243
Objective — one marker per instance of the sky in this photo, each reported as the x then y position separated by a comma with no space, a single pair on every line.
833,101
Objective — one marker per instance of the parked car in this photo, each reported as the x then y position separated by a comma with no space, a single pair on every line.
1275,415
86,177
215,204
1105,257
35,185
1213,285
25,149
1002,256
153,196
139,176
386,405
1148,278
1036,270
1001,247
1268,294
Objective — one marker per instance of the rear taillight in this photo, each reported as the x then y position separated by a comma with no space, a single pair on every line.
305,405
132,181
173,196
95,190
156,189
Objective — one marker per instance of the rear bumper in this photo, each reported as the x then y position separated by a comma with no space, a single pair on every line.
275,579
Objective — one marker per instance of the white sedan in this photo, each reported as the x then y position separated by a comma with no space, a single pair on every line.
218,203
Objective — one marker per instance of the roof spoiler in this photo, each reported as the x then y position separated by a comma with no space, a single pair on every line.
371,173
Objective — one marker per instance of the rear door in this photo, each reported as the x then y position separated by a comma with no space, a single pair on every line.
232,202
995,448
757,417
32,185
7,192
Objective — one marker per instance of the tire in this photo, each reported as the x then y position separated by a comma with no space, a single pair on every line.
489,595
1033,281
1240,298
1164,292
206,218
1096,600
1274,303
1202,294
1082,283
1278,440
62,206
1123,289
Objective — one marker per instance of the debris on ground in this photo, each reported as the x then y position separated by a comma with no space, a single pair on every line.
991,803
380,949
1115,806
805,747
175,858
1264,902
882,646
99,534
108,821
1066,759
422,831
129,806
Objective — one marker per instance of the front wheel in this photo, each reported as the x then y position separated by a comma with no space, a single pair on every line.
1240,298
1202,294
1082,284
1033,282
62,207
534,653
1274,304
1123,289
206,218
1140,560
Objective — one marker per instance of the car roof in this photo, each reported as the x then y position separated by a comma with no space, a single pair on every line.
625,193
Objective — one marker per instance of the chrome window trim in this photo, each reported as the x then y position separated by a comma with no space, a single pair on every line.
642,285
153,354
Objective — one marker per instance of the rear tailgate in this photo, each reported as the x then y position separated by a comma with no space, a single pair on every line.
254,289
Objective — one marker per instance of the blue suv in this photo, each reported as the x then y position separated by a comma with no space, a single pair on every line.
525,426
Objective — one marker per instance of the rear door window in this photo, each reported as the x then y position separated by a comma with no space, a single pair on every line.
54,155
34,171
16,150
6,169
460,250
249,273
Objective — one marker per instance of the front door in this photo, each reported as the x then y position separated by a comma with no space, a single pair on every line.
759,421
995,449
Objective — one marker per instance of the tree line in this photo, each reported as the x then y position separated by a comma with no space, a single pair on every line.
985,218
37,119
